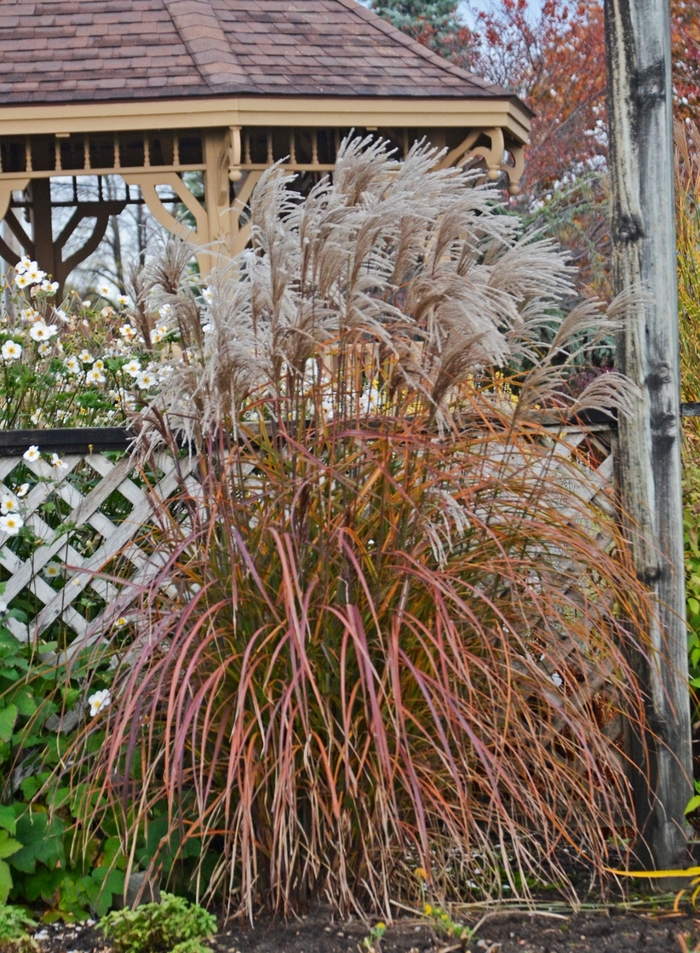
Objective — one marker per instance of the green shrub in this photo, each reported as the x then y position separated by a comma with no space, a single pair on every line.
172,926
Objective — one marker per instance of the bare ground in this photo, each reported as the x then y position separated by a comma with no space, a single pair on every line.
501,932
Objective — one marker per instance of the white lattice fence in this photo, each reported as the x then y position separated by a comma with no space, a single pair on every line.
84,517
92,517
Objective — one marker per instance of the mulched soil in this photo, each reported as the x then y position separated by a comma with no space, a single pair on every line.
501,932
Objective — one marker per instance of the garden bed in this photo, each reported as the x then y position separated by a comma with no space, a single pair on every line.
502,932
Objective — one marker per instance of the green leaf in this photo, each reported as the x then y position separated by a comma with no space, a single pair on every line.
25,701
694,606
7,819
43,884
41,842
105,884
8,717
5,881
693,804
30,786
8,845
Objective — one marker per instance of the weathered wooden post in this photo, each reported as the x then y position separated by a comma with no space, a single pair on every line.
638,40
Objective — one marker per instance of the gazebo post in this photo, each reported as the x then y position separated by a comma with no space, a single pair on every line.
638,41
42,229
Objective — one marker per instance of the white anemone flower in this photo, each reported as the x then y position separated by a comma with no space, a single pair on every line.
133,368
8,505
99,701
85,357
44,349
208,295
73,366
36,416
146,380
122,300
57,463
53,570
11,351
42,332
104,289
32,454
50,287
11,524
22,490
35,274
95,376
22,280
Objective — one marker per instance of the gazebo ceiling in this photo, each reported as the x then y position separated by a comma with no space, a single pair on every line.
69,51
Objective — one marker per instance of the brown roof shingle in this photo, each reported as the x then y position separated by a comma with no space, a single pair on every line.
63,51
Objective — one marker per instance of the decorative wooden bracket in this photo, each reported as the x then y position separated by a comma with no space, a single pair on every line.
7,187
101,212
57,267
7,253
493,156
147,182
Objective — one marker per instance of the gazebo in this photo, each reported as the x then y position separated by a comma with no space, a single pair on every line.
151,90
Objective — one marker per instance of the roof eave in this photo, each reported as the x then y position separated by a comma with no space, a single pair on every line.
202,112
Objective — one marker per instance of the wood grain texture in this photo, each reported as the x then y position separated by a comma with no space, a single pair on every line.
649,464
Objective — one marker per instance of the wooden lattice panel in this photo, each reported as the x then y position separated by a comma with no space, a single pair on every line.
66,513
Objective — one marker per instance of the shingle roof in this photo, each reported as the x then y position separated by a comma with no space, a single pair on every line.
80,50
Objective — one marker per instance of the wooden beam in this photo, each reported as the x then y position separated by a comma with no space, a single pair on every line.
283,111
638,42
81,440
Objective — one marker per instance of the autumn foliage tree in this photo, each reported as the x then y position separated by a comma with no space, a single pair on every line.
554,60
553,57
556,64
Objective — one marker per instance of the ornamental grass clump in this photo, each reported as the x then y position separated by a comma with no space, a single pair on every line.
391,626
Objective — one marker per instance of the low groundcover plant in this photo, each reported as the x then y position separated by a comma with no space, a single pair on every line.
15,922
172,926
391,628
